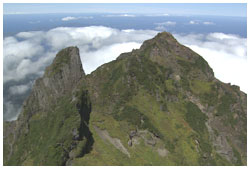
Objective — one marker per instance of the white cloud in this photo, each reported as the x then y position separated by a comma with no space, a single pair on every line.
128,15
69,18
225,53
197,22
164,14
108,53
11,111
16,54
193,22
208,23
28,35
168,23
163,26
120,15
19,89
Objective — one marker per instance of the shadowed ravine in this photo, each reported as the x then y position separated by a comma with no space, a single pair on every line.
84,108
84,131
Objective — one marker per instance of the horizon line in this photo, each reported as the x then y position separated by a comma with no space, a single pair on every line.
138,14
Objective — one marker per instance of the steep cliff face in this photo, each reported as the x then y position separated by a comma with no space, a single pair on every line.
54,116
158,105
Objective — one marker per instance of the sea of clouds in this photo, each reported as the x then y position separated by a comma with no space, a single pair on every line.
225,53
26,55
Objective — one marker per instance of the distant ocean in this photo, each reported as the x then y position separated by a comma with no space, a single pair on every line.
13,24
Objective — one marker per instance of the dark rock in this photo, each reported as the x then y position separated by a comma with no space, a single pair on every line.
133,133
129,142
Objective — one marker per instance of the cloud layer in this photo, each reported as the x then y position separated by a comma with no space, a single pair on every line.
120,15
69,18
28,53
19,89
197,22
225,53
193,22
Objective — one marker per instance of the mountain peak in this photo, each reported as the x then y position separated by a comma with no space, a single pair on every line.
165,50
162,39
65,71
59,79
164,35
65,57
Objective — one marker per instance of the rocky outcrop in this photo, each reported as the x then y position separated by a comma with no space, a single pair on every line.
65,71
60,78
114,141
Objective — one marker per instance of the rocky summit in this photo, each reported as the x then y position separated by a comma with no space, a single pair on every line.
157,105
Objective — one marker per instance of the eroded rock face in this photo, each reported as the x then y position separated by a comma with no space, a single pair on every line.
60,78
65,71
148,138
114,141
221,134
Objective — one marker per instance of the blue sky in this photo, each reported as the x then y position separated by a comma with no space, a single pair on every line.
225,9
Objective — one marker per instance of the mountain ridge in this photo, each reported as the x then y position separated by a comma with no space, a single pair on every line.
162,98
